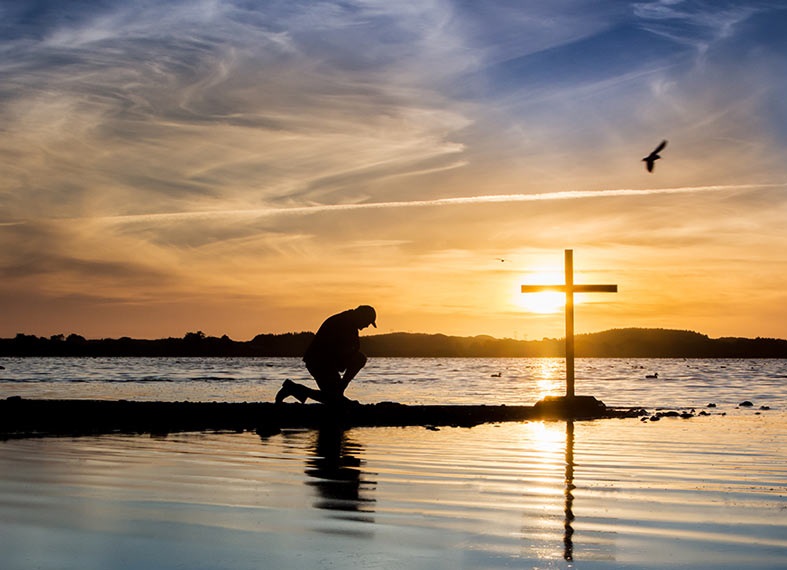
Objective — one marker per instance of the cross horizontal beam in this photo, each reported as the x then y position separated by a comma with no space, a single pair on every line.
570,288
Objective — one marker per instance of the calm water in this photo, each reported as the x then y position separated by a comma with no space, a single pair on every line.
623,382
710,492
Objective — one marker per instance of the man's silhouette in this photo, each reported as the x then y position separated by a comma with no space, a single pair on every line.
333,358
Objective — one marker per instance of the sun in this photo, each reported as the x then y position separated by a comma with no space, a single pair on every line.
543,303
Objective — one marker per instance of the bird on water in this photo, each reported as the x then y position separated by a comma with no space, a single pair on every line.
654,156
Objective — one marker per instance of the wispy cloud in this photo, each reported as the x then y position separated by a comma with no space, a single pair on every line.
437,202
694,23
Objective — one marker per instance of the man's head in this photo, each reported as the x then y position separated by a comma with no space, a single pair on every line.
365,316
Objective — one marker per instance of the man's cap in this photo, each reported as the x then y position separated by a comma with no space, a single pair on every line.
369,313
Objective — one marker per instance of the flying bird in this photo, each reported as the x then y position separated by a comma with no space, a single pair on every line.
654,156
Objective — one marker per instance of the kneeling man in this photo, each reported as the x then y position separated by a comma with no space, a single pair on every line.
333,358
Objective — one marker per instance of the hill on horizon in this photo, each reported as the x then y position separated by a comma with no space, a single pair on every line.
614,343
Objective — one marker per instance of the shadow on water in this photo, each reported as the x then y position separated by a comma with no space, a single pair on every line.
334,471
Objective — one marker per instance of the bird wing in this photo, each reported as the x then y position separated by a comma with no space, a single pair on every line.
649,165
660,147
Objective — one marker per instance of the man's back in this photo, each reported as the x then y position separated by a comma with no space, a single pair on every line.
336,339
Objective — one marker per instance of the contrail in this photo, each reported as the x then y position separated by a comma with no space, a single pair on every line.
484,199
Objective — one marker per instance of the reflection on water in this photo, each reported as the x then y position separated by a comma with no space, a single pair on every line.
334,471
614,494
549,374
568,542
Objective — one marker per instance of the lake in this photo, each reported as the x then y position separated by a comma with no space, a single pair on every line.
706,492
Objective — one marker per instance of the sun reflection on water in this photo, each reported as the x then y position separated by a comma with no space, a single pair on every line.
548,440
548,377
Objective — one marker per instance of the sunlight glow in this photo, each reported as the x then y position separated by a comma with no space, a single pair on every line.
543,303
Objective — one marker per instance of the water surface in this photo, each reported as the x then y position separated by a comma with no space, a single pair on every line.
709,492
617,381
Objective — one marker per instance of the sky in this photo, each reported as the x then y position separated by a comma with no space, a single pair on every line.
242,167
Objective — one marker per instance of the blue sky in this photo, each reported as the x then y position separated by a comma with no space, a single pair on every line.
245,167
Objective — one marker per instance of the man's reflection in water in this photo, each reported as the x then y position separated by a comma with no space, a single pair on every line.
335,471
568,543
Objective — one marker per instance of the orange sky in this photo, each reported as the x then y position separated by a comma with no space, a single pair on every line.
237,170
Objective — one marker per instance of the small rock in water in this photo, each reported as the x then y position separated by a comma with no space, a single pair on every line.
711,405
686,415
765,407
704,413
746,404
654,418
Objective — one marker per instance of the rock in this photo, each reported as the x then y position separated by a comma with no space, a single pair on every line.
746,404
686,415
704,413
711,405
655,418
765,407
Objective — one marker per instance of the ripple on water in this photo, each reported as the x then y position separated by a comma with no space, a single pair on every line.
607,494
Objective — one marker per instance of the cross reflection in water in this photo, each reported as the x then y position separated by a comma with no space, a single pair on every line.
568,534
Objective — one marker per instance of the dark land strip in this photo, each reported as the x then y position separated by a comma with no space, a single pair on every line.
21,417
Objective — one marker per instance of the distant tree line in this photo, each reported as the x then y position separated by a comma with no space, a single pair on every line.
192,344
616,343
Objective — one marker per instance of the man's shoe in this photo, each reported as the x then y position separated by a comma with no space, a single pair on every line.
290,388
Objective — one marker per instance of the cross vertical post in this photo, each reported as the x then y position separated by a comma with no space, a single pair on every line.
569,288
569,269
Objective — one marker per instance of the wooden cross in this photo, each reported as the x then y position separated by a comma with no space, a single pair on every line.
569,289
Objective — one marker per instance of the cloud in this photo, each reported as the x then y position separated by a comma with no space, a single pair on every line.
148,105
50,257
696,24
228,149
437,202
